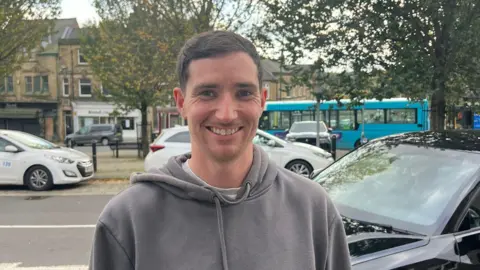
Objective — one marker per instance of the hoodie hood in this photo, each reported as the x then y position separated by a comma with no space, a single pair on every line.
173,178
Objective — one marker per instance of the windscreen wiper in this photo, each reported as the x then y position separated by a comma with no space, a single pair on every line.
389,228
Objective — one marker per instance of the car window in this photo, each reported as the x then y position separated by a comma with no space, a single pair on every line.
181,137
83,130
3,143
399,182
307,127
260,140
472,217
31,141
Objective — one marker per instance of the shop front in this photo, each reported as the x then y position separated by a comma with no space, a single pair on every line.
32,117
88,113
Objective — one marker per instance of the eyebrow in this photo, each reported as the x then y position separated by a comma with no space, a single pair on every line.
245,85
214,86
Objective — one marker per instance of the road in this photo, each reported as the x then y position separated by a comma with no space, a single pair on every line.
39,232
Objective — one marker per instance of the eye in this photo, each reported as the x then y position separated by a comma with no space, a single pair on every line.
245,93
207,93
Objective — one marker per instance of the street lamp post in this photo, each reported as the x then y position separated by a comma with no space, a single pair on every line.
317,92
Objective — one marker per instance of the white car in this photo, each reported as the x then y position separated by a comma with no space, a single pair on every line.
297,157
28,160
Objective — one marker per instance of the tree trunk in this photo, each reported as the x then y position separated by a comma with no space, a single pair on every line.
145,134
437,114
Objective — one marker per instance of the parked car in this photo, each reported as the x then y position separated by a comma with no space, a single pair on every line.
297,157
410,201
102,133
28,160
306,132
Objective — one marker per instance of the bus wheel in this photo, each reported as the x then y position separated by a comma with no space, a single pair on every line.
357,144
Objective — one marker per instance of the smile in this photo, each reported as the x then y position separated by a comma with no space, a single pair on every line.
224,131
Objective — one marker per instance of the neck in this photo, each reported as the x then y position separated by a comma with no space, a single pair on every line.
228,174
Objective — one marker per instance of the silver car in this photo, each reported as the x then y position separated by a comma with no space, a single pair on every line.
306,132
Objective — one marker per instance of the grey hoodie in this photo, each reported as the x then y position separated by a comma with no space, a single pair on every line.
279,221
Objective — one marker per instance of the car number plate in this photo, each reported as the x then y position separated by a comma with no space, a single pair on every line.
89,169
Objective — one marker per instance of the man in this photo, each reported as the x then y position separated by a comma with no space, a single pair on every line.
226,205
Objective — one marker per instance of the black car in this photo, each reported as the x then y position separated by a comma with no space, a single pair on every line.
410,201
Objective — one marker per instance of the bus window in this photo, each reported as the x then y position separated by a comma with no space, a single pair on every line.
264,122
372,117
401,116
346,120
280,120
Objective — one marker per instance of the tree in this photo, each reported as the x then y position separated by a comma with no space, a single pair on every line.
134,60
23,24
418,48
133,49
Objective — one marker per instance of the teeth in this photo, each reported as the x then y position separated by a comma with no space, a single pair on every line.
224,132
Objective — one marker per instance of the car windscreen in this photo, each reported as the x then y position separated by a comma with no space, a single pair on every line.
31,141
298,127
402,185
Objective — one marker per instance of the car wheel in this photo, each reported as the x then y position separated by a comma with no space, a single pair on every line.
69,143
38,178
300,167
105,142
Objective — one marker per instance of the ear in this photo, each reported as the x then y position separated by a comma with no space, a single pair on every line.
179,100
263,96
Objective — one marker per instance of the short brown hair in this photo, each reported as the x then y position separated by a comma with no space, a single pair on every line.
212,44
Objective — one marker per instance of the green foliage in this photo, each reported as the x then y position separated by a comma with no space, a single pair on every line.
23,24
387,47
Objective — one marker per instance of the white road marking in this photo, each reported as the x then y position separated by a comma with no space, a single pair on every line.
85,226
16,266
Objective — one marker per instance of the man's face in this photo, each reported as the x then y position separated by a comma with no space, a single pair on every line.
222,103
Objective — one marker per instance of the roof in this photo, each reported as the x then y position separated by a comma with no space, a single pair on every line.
465,140
273,68
64,29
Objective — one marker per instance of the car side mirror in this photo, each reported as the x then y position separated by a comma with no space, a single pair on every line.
286,130
271,143
11,149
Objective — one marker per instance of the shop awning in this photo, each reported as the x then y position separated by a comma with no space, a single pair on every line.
18,113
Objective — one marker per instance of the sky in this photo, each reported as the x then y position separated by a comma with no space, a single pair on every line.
83,10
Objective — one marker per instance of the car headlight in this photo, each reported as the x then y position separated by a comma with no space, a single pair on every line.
323,155
60,159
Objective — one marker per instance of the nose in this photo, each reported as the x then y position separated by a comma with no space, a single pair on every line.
226,110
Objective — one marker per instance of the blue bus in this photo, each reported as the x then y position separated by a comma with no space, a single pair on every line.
374,118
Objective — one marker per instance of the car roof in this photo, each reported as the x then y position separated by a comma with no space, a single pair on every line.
466,140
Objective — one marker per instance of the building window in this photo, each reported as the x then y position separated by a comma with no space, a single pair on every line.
66,87
35,84
44,83
85,88
6,85
81,58
28,84
128,123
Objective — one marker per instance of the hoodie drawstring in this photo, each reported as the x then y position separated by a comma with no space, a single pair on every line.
221,231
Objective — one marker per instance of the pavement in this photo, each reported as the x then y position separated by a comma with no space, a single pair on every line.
110,167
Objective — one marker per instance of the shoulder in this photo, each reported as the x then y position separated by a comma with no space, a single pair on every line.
308,194
127,204
300,185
